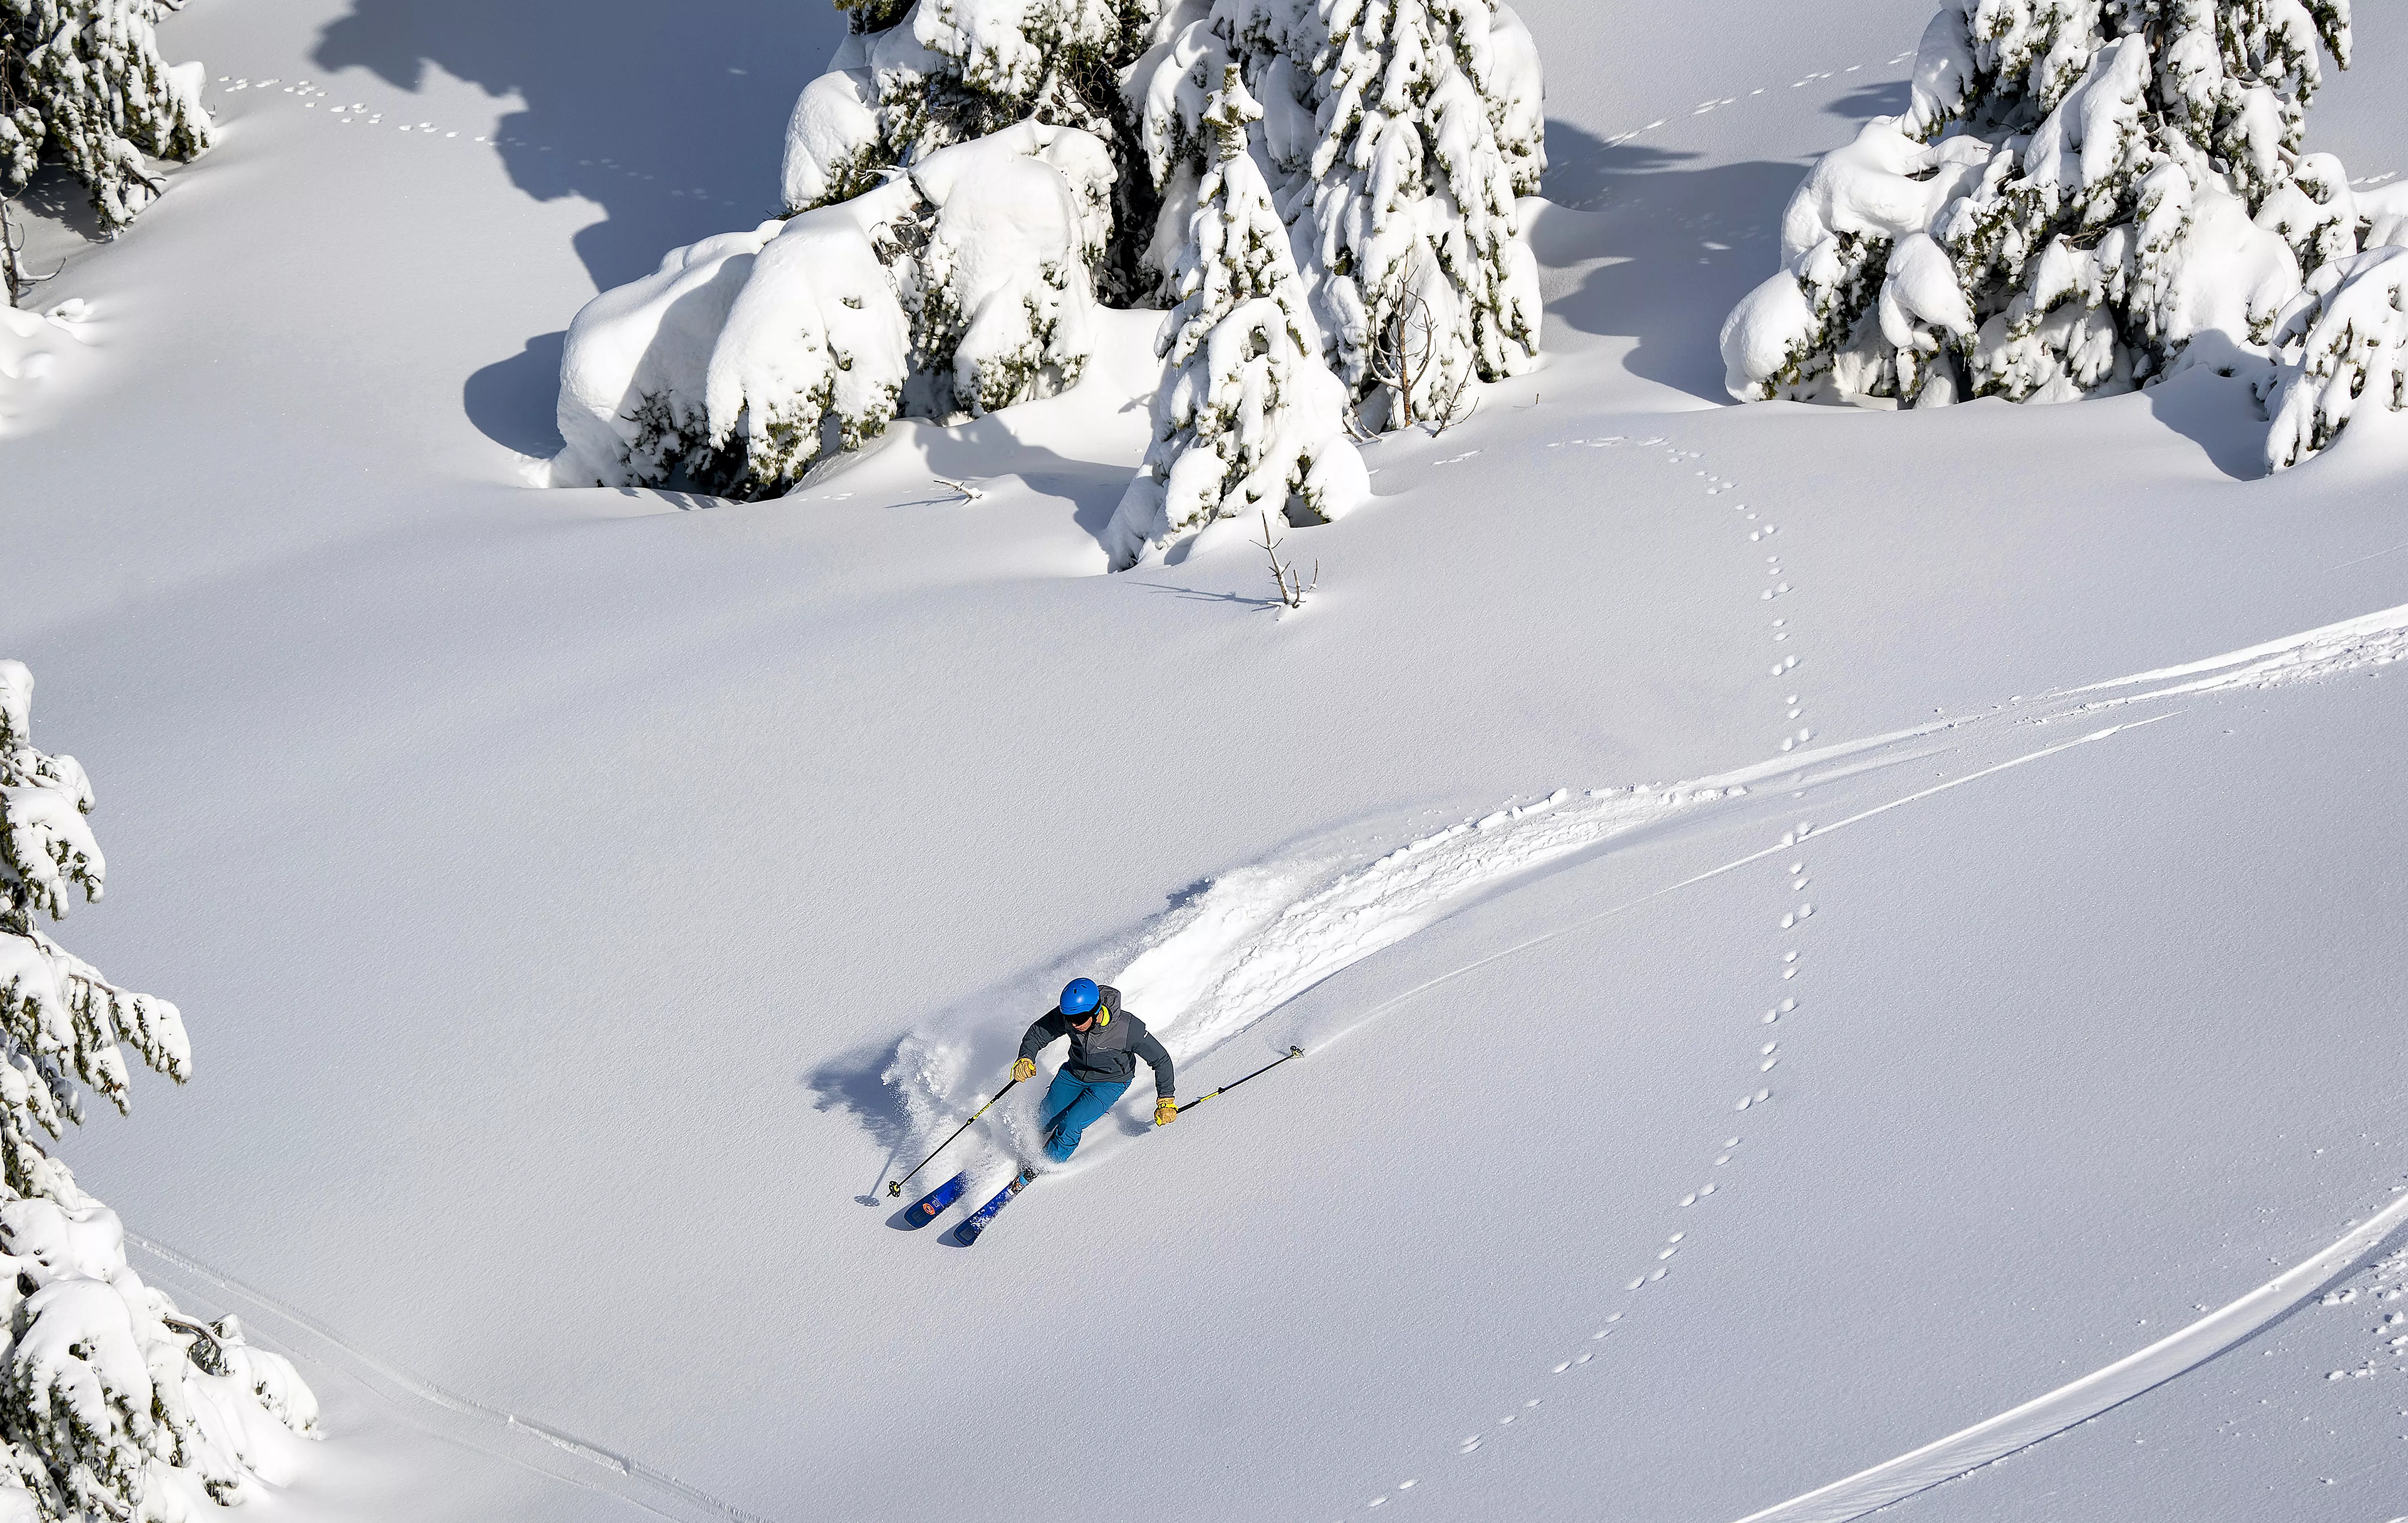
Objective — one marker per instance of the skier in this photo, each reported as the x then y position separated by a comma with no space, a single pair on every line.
1106,1042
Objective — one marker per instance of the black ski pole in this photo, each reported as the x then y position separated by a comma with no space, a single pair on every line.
1292,1052
895,1186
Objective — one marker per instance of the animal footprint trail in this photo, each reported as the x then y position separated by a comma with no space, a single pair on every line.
311,96
1764,1059
1721,103
1760,1057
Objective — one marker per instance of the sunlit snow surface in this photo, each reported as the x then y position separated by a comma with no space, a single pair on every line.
551,880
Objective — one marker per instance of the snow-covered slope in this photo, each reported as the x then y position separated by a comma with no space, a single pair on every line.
551,880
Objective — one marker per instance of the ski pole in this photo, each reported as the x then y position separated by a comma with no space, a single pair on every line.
1292,1052
895,1186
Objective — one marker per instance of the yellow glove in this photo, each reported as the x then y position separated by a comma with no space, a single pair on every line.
1025,1069
1165,1110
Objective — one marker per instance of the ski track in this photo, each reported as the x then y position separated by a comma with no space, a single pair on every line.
2078,1402
2370,640
1258,936
504,1435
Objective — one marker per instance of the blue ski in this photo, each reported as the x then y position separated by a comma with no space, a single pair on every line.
967,1233
928,1208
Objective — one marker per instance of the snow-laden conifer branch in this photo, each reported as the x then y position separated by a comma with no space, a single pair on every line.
81,82
2341,345
916,77
958,286
108,1410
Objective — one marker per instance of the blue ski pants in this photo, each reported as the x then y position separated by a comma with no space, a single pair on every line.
1072,1106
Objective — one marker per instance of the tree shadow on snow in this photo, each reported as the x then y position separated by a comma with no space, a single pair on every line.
55,195
513,402
1265,603
995,449
56,227
2210,404
1681,245
670,118
1869,101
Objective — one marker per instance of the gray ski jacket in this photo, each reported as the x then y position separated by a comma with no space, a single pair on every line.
1105,1052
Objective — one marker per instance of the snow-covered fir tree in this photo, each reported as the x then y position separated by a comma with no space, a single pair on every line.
958,286
1397,134
81,82
953,183
1250,417
112,1407
954,196
2079,190
971,178
953,193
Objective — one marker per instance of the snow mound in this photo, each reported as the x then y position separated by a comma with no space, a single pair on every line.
35,349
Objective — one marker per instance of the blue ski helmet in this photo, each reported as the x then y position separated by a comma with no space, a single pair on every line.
1079,996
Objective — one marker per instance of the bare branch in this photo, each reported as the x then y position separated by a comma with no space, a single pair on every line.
1451,409
1407,345
1291,584
968,492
